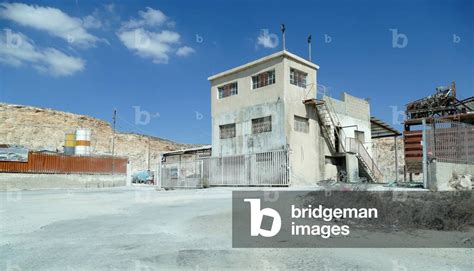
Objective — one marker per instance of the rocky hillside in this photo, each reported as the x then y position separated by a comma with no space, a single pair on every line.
45,129
383,150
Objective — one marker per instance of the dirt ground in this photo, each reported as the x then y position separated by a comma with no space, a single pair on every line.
143,229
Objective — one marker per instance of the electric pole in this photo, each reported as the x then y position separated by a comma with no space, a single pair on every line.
113,141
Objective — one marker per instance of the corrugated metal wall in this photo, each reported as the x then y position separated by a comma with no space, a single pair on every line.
413,151
39,162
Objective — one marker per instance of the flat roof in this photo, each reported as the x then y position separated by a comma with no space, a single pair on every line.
283,53
189,150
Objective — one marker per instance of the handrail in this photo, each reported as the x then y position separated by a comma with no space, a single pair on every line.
332,115
356,146
359,147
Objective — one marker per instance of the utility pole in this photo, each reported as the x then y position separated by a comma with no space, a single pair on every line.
149,155
113,140
309,47
282,28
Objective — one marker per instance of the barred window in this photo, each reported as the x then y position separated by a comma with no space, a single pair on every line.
263,79
262,125
298,78
227,131
301,124
227,90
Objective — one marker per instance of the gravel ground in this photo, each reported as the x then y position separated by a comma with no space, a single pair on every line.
143,229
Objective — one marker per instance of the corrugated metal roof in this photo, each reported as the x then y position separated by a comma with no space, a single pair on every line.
380,129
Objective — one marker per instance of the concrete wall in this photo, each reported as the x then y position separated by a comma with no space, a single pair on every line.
440,173
283,101
14,181
306,161
247,96
245,142
354,111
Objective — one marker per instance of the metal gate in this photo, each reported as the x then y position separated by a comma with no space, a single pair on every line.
187,174
258,169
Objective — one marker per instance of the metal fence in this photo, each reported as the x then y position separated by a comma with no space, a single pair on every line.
183,174
258,169
450,141
57,163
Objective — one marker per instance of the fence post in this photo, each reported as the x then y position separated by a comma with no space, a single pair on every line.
159,174
466,145
425,160
129,173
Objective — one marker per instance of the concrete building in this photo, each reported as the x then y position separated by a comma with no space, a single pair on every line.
271,104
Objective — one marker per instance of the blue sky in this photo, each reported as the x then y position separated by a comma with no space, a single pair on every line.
81,56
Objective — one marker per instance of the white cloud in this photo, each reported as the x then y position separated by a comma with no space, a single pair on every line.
267,40
146,44
51,20
156,45
91,21
17,50
150,17
185,51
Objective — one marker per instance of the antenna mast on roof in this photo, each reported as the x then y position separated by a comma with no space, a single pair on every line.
309,47
282,28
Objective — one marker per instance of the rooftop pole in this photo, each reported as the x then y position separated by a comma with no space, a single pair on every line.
282,28
309,47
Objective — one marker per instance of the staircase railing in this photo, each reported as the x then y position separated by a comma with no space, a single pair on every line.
355,146
341,135
348,144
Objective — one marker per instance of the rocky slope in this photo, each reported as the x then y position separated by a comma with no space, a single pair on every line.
383,150
45,129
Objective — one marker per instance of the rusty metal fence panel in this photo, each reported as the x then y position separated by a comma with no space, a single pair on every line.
56,163
450,141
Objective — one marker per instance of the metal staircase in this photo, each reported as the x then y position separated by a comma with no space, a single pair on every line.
337,140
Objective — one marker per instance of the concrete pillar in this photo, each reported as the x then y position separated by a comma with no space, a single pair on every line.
352,167
129,174
159,173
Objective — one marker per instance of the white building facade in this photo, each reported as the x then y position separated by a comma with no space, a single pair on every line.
260,107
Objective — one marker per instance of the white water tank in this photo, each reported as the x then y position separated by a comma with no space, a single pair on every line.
83,141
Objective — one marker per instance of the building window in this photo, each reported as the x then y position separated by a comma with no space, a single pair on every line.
360,135
263,79
298,78
227,131
262,125
301,124
227,90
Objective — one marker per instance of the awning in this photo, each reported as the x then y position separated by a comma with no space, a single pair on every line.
380,129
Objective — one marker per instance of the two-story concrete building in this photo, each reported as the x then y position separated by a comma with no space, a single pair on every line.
272,124
270,105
